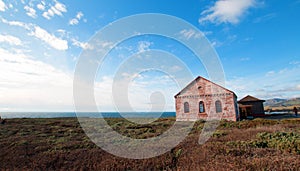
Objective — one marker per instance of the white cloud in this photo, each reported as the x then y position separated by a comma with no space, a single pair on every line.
103,94
50,39
10,40
143,46
216,43
61,7
16,23
73,21
41,6
105,44
83,45
30,11
27,84
282,83
294,62
76,20
57,9
141,93
188,34
270,73
2,6
46,15
226,11
79,15
62,32
40,33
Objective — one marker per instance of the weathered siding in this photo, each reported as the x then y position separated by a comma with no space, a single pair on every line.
257,107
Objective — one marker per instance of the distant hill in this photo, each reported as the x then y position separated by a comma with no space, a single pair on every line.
276,102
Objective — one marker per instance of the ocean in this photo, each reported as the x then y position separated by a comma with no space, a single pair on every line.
87,114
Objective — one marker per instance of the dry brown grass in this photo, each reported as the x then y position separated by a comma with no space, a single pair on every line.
281,108
60,144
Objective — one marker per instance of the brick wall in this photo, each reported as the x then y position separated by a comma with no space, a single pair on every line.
208,92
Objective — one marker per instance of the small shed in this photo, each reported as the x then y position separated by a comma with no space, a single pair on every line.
250,106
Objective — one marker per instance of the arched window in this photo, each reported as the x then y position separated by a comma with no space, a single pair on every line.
218,106
201,107
186,107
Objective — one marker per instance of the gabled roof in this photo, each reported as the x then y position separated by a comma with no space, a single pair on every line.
250,99
198,78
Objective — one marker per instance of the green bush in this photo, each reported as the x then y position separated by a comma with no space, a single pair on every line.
285,141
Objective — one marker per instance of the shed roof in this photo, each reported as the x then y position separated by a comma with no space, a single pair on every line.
250,99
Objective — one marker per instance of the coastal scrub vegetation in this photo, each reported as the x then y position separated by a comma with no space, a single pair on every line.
60,143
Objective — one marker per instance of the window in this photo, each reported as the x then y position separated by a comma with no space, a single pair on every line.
218,106
186,107
201,107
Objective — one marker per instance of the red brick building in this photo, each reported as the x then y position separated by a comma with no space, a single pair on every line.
203,99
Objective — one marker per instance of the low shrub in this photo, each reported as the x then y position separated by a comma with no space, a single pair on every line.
219,133
285,141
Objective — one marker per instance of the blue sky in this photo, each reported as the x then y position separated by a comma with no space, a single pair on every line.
40,43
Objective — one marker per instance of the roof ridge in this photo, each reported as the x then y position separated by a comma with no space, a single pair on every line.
249,98
199,77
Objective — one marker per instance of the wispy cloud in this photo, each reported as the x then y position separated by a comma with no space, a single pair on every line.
50,39
270,73
16,23
30,11
265,18
226,11
295,63
10,40
188,34
245,59
40,33
76,20
2,6
56,9
83,45
283,83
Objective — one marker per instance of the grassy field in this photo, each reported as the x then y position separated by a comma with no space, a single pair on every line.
60,144
289,109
